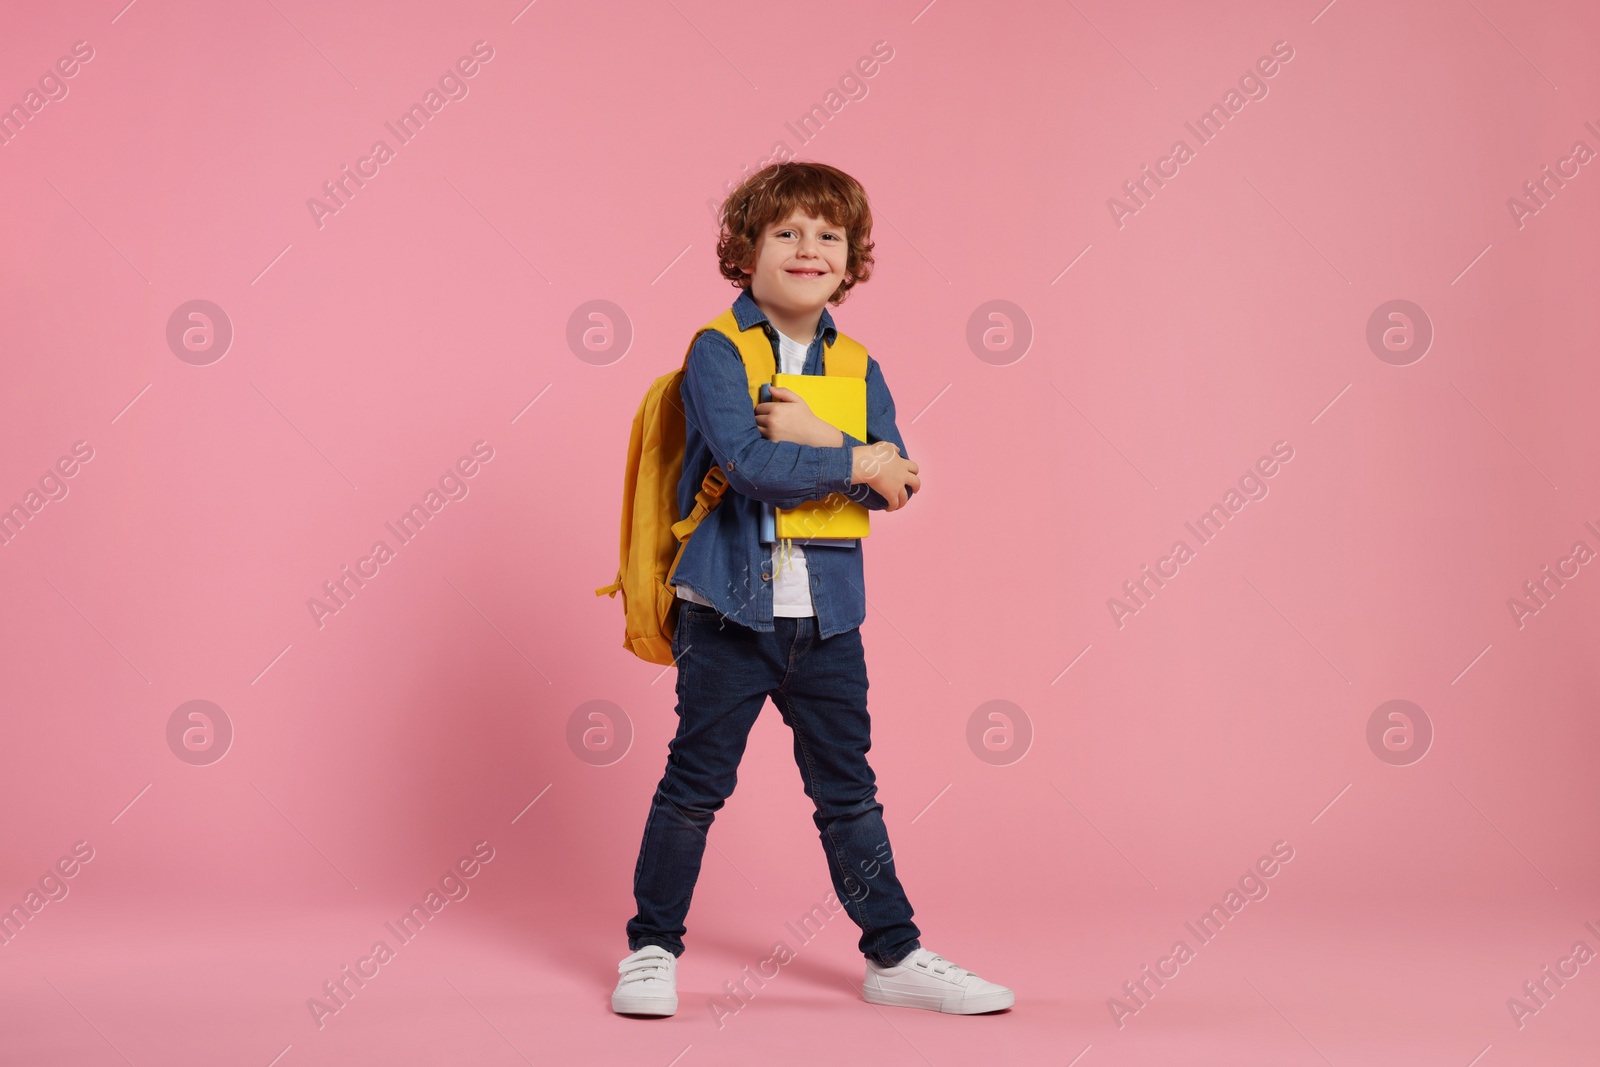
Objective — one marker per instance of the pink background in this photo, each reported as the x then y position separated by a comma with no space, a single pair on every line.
371,352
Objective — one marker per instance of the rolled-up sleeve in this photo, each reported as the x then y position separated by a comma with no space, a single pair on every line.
716,401
880,427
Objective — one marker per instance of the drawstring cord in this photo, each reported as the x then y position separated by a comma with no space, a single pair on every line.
783,553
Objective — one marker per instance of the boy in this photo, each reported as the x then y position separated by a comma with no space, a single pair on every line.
795,237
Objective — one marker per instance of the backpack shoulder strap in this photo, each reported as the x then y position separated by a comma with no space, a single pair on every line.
754,349
846,356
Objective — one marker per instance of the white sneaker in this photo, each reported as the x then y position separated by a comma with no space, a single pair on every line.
649,983
927,980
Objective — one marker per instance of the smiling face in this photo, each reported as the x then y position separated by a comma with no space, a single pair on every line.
799,262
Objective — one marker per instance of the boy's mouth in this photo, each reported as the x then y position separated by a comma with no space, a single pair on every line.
807,273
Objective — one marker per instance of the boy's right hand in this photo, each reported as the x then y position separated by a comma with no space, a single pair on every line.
881,467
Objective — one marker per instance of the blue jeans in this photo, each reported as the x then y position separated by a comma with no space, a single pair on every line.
725,674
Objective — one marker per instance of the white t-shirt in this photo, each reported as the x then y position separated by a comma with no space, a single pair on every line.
791,582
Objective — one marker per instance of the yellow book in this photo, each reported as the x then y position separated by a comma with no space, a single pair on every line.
841,402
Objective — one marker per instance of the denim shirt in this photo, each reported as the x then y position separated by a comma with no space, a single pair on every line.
723,560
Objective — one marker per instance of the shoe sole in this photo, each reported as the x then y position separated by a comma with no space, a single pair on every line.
644,1005
933,1002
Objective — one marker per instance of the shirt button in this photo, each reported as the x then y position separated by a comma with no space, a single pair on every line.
766,576
730,464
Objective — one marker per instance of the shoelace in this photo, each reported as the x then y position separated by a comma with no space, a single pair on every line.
643,969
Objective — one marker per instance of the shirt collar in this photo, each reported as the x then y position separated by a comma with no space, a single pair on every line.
746,312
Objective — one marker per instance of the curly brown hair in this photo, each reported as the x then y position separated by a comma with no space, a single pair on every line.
772,193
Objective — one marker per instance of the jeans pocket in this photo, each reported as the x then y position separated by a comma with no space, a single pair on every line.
680,623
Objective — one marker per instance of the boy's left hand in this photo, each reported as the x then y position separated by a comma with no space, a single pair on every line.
787,417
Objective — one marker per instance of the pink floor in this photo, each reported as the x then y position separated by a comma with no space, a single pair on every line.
499,986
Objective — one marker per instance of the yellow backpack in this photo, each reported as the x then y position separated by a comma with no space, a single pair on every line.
652,534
